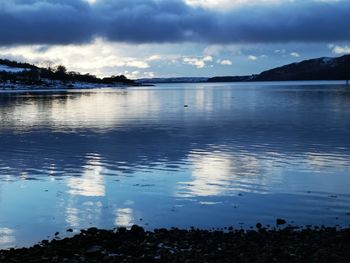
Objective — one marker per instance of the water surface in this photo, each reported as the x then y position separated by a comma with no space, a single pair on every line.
238,154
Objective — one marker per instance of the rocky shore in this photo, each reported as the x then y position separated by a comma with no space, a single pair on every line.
175,245
56,85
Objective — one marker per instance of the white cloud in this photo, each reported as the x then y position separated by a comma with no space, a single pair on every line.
208,59
91,2
137,74
230,4
197,62
225,62
131,75
224,5
154,57
340,49
98,57
137,64
251,57
295,54
104,58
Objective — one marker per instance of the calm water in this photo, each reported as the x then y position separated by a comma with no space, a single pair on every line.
237,155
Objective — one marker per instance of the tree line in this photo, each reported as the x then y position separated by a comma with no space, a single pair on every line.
49,71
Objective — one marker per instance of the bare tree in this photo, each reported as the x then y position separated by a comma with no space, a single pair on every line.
48,64
61,69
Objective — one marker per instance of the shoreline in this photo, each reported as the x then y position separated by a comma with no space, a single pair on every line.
324,244
58,86
53,87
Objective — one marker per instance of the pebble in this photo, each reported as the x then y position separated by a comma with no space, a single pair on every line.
191,246
280,221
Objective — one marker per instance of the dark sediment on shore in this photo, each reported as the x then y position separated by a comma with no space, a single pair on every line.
174,245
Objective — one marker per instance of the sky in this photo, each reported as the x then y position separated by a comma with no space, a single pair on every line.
172,38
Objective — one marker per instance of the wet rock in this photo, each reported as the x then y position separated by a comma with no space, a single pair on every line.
94,249
137,229
280,221
194,245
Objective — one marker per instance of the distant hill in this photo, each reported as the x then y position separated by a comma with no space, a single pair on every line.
313,69
231,78
8,64
7,69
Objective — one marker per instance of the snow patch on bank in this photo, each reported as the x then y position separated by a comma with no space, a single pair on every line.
4,68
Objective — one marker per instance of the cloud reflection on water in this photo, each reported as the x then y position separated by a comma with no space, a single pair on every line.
7,237
82,214
72,217
227,141
92,109
124,217
91,182
219,173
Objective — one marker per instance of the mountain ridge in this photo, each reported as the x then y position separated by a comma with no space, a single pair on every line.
323,68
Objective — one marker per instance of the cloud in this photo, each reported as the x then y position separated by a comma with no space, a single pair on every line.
99,57
295,54
251,57
225,62
229,4
340,49
91,2
154,58
198,62
137,64
164,21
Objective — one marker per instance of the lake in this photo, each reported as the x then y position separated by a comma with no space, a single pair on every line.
173,155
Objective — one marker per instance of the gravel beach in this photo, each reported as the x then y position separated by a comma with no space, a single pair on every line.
175,245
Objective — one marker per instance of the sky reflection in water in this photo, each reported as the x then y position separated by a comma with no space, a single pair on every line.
237,155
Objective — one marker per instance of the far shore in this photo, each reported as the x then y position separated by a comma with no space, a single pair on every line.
59,86
13,88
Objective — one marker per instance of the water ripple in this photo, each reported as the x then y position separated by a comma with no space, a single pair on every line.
242,152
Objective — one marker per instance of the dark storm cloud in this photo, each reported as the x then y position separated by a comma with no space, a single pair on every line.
158,21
